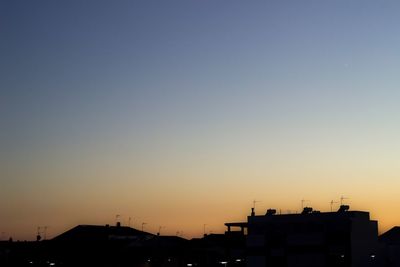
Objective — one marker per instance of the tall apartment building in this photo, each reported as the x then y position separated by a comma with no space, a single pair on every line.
312,239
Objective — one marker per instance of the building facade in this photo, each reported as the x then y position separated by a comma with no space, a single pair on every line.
313,239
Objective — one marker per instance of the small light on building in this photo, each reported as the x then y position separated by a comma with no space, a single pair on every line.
189,264
52,263
373,256
238,260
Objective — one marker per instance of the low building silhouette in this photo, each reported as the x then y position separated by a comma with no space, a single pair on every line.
308,239
391,242
99,233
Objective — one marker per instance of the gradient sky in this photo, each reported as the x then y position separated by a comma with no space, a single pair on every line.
181,113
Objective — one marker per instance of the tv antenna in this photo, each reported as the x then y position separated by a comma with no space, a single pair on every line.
341,200
45,232
254,203
333,202
38,236
302,203
159,229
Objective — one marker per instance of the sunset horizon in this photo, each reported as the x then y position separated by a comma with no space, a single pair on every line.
179,114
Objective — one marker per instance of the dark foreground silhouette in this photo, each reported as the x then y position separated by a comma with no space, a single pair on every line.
308,239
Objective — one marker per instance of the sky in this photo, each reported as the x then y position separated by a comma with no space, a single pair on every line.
179,114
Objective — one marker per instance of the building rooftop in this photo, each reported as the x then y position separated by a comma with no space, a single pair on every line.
391,237
309,214
100,233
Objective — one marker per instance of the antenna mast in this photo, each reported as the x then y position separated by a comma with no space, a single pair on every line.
302,203
333,202
254,203
159,229
38,237
254,206
45,232
341,200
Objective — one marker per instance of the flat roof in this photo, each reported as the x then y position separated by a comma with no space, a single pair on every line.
311,216
237,224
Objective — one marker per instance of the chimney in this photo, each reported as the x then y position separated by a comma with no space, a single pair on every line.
118,224
252,212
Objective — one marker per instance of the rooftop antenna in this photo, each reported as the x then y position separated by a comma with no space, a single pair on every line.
45,232
302,202
159,229
204,229
254,203
143,224
38,237
118,221
333,202
341,200
254,207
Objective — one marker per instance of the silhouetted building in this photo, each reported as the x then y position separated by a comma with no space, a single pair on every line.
312,239
391,246
102,245
83,233
309,239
